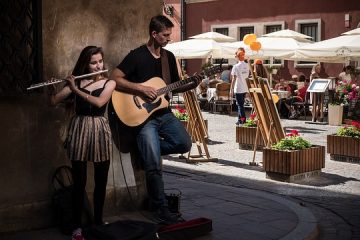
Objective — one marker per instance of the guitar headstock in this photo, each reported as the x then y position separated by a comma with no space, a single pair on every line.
212,70
208,72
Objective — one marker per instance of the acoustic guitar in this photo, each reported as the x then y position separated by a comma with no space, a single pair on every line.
133,110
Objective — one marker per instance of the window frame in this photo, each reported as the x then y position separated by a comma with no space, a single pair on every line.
298,24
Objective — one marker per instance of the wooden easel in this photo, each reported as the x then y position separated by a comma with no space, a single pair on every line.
196,127
269,124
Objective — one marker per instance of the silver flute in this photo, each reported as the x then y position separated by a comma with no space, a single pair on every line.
55,80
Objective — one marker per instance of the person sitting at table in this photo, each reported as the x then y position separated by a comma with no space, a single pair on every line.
202,87
294,78
301,92
215,80
226,74
287,106
282,85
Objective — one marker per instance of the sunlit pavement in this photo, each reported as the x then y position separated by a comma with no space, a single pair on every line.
333,197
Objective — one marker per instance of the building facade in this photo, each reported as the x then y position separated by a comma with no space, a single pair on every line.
319,19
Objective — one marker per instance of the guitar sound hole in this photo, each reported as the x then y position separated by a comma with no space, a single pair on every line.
136,101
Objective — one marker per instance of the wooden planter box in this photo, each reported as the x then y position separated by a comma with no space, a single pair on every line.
293,165
345,149
245,136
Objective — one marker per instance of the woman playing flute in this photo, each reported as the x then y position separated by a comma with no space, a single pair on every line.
89,135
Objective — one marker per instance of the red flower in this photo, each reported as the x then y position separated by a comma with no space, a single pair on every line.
355,124
242,119
180,109
252,116
293,133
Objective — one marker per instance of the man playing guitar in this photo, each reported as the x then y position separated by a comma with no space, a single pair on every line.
161,133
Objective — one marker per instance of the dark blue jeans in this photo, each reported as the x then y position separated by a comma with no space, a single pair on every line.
240,99
161,135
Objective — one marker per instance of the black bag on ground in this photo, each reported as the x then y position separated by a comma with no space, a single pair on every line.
122,230
62,199
186,230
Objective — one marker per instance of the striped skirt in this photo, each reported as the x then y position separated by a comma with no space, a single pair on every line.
89,139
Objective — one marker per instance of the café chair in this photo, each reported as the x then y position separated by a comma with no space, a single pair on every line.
222,97
303,106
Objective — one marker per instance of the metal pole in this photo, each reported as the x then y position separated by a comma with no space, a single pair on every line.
182,28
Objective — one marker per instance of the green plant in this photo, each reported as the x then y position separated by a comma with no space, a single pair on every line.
292,141
180,113
251,121
350,131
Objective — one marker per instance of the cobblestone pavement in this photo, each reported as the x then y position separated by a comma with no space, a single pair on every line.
333,197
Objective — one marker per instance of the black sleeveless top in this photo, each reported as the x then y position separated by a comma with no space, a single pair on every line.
83,107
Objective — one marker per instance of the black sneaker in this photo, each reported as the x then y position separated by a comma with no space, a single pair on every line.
165,217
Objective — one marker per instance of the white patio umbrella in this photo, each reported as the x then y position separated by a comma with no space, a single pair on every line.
200,46
287,33
271,47
218,37
195,48
338,50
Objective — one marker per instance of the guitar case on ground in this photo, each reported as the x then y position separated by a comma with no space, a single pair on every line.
186,230
139,230
123,230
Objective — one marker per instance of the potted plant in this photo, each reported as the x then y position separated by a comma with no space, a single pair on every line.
246,133
293,158
345,144
180,113
344,94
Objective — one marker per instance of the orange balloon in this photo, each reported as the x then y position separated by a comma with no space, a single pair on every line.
255,46
249,38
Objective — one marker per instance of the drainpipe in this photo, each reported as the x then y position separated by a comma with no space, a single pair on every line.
182,27
182,24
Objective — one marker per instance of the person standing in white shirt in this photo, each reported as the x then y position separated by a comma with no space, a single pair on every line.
239,88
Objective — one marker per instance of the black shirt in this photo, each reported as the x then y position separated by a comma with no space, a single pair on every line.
140,65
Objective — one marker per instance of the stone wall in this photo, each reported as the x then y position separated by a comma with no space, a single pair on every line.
32,131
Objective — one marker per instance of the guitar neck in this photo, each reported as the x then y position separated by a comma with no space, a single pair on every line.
174,86
178,84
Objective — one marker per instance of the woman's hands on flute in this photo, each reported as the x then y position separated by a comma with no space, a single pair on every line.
71,83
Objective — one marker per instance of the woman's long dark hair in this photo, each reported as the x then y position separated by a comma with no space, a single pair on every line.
82,64
81,67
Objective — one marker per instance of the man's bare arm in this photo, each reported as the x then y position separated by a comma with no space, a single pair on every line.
125,85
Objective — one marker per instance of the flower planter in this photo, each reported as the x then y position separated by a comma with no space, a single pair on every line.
245,136
345,149
335,114
293,165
